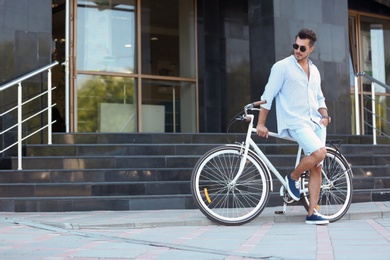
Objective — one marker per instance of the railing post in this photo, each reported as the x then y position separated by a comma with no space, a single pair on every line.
373,113
49,112
357,111
20,125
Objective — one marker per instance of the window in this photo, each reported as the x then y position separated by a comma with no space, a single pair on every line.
370,54
168,38
125,87
106,104
106,36
168,106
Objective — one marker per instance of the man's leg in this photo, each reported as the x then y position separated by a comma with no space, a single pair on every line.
315,180
308,162
313,143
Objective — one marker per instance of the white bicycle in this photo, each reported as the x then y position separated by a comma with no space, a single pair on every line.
231,184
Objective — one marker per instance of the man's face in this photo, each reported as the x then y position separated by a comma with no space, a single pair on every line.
302,49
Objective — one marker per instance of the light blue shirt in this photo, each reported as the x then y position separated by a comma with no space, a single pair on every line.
297,97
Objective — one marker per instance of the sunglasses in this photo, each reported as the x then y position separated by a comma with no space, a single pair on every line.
301,48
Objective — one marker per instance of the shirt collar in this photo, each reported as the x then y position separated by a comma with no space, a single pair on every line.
296,62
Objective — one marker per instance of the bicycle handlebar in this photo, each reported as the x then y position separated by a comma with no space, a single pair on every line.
250,107
255,104
249,119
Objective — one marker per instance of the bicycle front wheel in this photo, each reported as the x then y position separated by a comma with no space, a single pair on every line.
223,201
336,189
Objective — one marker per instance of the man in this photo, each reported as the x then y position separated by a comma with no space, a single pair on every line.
301,112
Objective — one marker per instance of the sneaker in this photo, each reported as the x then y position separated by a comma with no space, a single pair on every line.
293,187
315,219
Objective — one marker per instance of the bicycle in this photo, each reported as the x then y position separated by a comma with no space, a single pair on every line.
231,184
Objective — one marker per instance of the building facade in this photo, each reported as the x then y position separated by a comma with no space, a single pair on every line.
186,65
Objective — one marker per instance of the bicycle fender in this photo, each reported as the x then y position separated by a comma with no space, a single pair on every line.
337,151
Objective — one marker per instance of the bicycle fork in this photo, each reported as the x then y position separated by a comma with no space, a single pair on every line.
244,155
244,151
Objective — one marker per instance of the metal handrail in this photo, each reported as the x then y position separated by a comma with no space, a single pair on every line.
373,103
28,75
373,79
20,104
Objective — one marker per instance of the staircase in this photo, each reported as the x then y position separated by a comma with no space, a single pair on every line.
82,172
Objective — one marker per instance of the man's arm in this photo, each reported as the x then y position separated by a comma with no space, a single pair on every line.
261,129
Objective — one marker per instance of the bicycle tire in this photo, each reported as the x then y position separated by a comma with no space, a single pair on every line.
224,203
336,189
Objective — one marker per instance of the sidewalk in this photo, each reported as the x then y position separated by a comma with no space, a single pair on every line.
363,233
167,218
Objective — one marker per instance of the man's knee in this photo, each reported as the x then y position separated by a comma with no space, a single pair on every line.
320,154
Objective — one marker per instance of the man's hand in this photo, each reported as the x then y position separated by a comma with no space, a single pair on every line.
261,130
324,122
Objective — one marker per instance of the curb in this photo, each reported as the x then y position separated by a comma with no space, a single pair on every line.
169,218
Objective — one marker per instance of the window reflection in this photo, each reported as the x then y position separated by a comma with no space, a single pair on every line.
106,35
106,104
168,106
375,53
168,38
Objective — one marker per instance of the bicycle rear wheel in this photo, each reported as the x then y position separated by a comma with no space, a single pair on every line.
336,189
218,198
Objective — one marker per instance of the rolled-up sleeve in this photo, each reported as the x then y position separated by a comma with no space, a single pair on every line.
275,83
321,100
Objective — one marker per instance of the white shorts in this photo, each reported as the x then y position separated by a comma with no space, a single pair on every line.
310,140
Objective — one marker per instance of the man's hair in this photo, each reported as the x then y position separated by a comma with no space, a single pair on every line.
307,34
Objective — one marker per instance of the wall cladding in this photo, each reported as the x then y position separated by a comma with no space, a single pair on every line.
271,27
25,42
25,45
329,19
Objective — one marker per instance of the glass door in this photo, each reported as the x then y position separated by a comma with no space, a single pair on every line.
375,61
60,78
106,97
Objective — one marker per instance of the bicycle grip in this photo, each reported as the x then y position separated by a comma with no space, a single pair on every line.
260,102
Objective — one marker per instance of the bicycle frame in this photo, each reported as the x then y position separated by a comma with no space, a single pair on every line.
250,143
232,196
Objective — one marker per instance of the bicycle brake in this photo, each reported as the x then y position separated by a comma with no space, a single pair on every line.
240,118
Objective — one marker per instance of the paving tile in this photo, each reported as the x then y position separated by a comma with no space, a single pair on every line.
173,235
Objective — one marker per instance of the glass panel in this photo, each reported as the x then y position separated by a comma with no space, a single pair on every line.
58,72
375,53
168,38
106,35
352,89
376,62
168,106
106,104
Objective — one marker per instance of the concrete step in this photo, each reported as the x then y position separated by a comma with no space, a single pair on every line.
165,161
153,171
